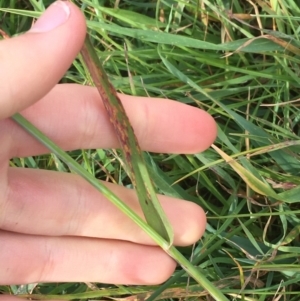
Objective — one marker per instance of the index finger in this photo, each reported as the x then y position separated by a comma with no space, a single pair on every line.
74,117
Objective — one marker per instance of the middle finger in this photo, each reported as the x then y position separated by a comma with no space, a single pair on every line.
53,203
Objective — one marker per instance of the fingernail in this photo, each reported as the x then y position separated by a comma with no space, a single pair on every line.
56,14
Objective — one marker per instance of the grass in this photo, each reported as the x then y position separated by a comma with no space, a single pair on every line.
238,60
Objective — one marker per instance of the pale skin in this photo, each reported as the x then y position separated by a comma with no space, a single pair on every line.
55,226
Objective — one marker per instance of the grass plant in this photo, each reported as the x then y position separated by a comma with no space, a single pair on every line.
239,60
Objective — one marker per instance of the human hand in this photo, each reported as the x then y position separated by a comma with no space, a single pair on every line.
55,227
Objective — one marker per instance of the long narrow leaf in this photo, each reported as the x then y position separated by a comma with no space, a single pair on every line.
136,165
164,244
253,182
77,168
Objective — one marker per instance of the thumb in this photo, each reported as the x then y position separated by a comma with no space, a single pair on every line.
31,64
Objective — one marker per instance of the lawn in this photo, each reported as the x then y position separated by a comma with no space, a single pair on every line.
239,61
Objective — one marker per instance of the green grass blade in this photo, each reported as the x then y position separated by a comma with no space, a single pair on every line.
253,182
163,243
77,168
136,165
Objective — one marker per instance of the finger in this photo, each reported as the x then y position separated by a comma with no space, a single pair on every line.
74,117
4,159
7,297
28,259
12,298
33,63
51,203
